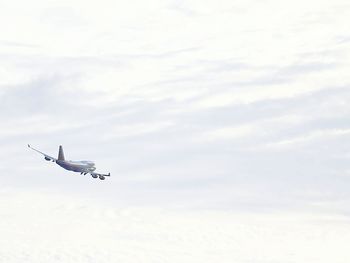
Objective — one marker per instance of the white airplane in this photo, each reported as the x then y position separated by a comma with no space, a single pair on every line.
82,167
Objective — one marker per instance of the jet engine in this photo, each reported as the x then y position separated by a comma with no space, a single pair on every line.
94,176
47,158
102,177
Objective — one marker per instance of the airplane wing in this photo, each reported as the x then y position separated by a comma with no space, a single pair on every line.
47,157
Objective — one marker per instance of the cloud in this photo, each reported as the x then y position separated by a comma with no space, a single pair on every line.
185,102
52,227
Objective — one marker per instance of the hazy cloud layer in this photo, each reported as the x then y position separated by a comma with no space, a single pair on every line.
45,227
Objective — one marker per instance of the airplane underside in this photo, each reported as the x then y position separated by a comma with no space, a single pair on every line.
94,175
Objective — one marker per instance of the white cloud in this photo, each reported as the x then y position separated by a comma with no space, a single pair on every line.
45,227
318,135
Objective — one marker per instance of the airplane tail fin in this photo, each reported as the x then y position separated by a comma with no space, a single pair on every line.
61,154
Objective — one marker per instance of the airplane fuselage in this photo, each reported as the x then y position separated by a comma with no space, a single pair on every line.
81,166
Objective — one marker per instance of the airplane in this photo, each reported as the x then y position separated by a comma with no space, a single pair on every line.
83,167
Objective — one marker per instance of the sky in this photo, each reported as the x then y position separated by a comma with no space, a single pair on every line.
233,105
224,125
